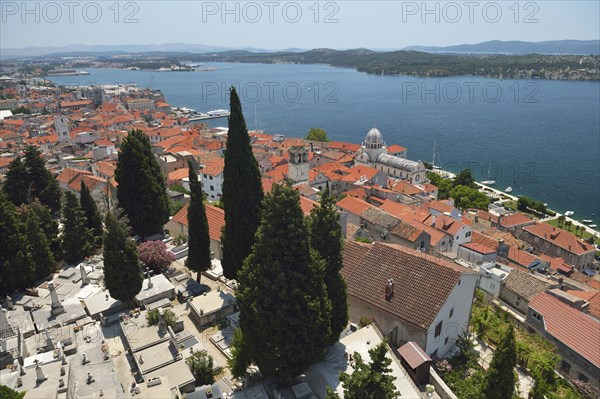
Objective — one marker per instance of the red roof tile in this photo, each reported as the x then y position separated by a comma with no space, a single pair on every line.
578,331
562,238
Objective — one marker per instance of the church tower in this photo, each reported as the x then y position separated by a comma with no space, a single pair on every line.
61,125
298,164
372,148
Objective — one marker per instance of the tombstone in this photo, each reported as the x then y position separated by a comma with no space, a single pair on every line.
7,303
85,280
162,325
57,307
39,373
150,285
4,320
49,343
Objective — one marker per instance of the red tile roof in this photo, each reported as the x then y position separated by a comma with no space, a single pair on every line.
593,298
562,238
353,205
412,353
515,219
422,282
575,329
214,167
214,215
480,248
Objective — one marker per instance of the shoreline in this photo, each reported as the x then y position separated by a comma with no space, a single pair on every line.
501,193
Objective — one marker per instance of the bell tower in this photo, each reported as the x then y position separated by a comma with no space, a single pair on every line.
298,164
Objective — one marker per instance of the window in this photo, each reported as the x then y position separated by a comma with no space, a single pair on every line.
438,329
468,234
566,367
210,177
212,188
205,176
519,300
446,341
451,312
582,377
434,355
458,281
536,315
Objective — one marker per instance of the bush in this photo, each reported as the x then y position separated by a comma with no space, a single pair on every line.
170,317
201,366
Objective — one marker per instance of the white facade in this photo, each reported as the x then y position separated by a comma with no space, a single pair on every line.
492,275
61,125
212,185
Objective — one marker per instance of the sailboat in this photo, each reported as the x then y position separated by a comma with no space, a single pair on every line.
489,182
433,165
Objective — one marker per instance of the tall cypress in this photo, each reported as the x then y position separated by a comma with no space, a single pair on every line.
142,190
93,217
16,185
326,239
39,245
284,309
77,239
500,378
42,184
49,226
122,270
242,192
199,240
16,264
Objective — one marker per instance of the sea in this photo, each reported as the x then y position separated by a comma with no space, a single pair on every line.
540,137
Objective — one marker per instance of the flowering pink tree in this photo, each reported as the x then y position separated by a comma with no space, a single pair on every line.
155,255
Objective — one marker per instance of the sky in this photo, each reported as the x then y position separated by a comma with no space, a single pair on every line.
308,24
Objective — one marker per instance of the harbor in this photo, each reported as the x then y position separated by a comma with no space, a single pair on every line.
195,116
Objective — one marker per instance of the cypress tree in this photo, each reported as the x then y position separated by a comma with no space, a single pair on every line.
370,381
284,309
16,185
199,241
500,378
43,185
242,192
39,245
77,239
326,239
16,263
90,209
142,190
122,271
49,226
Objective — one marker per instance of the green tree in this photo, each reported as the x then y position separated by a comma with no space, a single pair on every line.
199,241
7,393
467,197
41,183
240,358
77,239
49,225
326,239
373,380
93,217
242,192
39,245
284,308
317,134
464,178
16,263
153,317
444,185
500,379
201,366
142,190
16,184
122,272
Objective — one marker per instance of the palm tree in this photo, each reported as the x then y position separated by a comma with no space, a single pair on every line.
568,224
561,221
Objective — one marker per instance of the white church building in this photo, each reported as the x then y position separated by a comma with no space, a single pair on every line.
374,153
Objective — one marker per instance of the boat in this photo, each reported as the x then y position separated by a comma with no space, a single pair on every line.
433,165
218,112
508,189
569,213
593,226
587,221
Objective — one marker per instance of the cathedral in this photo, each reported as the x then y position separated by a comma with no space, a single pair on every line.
374,153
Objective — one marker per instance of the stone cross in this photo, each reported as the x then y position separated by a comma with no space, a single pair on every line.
39,373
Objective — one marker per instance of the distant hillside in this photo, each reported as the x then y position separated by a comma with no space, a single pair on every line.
573,47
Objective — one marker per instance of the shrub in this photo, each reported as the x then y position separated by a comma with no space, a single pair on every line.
155,255
201,366
170,317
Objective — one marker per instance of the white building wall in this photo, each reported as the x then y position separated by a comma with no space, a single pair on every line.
461,300
212,187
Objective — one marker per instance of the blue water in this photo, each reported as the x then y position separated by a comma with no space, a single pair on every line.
541,137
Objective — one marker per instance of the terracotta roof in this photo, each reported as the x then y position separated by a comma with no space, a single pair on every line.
515,219
404,211
575,329
485,215
90,181
524,284
520,257
394,148
214,167
307,205
177,175
593,298
353,205
560,237
480,248
214,215
69,174
407,231
422,282
447,224
412,353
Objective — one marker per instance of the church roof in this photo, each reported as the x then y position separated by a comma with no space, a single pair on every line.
373,136
399,163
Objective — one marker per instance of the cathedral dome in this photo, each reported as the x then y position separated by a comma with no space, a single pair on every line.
373,137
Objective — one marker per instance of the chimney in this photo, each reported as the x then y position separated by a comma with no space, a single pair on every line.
502,249
389,289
